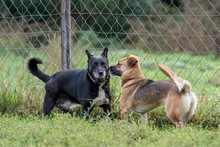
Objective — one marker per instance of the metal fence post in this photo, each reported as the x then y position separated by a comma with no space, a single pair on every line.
66,33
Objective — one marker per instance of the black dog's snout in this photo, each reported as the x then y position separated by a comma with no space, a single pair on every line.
101,73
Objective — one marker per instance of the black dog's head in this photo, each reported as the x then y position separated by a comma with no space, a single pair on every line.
98,67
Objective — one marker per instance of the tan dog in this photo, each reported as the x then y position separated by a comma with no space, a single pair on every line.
142,95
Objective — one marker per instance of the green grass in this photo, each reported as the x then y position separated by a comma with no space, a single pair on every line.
21,97
65,130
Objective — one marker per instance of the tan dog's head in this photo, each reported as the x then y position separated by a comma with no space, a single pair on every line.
125,66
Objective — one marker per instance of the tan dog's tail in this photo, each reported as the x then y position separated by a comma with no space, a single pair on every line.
180,83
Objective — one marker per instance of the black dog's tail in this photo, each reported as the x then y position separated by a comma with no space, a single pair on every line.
32,66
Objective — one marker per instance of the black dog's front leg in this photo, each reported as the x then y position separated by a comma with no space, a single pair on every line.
86,110
106,108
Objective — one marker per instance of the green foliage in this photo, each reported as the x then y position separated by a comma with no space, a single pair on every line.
110,18
16,43
92,40
102,17
40,10
65,130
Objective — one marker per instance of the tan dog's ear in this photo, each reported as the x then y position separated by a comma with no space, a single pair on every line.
132,60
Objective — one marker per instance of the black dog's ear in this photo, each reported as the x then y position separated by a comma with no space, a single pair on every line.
105,52
88,54
132,60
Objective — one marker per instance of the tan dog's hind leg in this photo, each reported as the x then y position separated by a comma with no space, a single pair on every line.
172,109
179,124
190,110
185,119
144,117
175,119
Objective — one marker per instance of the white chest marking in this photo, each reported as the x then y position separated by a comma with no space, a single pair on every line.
70,106
101,99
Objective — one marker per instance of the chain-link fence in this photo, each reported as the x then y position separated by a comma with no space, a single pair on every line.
183,34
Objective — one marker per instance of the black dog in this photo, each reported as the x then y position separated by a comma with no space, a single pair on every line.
69,89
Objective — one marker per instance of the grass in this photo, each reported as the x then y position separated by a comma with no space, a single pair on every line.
65,130
21,98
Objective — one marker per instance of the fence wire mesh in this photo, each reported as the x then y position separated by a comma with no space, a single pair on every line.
183,34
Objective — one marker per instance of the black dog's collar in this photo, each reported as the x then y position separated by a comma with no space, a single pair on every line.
95,81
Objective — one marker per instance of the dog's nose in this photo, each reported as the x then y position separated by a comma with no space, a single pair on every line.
101,73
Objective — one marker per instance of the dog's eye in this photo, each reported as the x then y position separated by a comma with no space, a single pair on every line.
103,63
95,63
